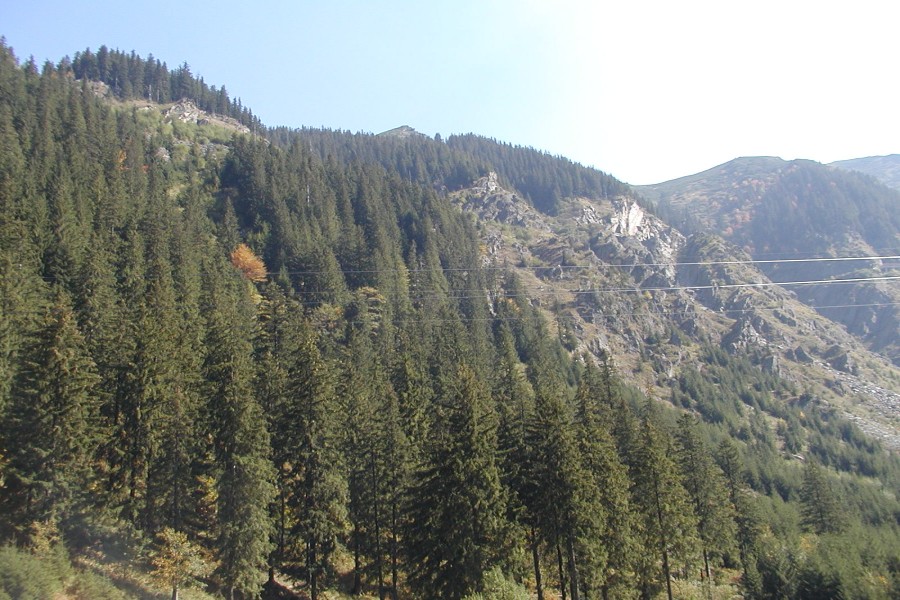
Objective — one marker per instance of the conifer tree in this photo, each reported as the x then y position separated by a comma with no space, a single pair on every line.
610,476
22,302
668,523
747,517
239,437
514,400
121,447
49,427
457,515
396,476
358,392
307,437
820,509
376,452
706,486
410,381
275,314
563,495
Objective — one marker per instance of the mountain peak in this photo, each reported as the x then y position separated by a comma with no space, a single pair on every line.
404,131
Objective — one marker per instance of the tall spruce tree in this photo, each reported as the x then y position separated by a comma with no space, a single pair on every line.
50,425
668,524
457,513
276,313
376,450
514,399
610,476
563,495
239,438
820,509
747,515
359,391
706,486
317,494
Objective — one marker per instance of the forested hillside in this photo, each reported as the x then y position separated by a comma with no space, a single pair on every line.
286,363
804,210
885,169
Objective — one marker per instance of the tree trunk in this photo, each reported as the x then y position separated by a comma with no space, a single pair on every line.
394,550
662,542
357,563
536,557
279,547
379,568
667,572
174,591
311,570
573,568
562,573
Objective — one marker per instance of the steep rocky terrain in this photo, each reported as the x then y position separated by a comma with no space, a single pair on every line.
801,221
617,280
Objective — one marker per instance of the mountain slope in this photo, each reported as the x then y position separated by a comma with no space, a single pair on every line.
884,168
778,210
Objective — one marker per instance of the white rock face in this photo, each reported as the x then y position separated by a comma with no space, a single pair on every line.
487,185
628,220
588,216
188,112
650,238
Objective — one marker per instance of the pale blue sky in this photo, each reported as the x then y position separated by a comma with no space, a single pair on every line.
647,90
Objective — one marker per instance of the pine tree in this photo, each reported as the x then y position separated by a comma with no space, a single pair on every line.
610,476
514,399
668,524
457,515
306,442
49,428
397,473
240,440
706,486
275,314
22,302
358,391
563,496
747,517
820,509
376,450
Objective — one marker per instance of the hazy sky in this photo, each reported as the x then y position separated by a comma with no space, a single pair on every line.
644,90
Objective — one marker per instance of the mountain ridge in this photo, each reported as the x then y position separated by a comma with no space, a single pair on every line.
801,209
884,168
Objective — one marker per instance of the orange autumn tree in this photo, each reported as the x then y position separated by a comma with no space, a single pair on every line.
248,263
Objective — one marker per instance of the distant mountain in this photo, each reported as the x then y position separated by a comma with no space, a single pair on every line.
776,210
404,131
884,168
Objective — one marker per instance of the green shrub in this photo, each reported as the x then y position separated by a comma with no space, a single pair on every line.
24,576
90,586
498,587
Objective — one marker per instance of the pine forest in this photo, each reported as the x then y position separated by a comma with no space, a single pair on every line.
241,362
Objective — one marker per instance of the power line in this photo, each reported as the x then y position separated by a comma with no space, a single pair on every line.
596,266
535,290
